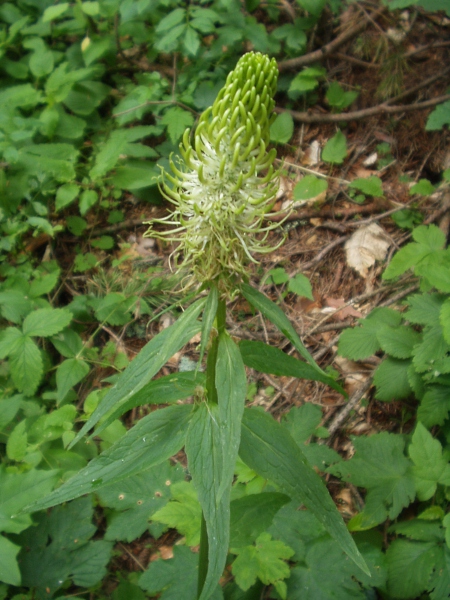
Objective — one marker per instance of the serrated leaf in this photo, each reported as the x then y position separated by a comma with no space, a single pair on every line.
16,446
45,322
26,365
154,439
423,187
301,285
177,120
424,309
269,359
53,12
147,363
183,512
370,186
14,305
302,421
398,341
44,284
9,568
10,339
66,194
410,565
430,468
434,406
206,462
174,578
282,129
360,342
265,560
268,448
69,373
335,149
381,467
309,187
391,379
432,348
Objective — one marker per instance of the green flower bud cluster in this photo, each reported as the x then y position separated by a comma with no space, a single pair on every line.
225,183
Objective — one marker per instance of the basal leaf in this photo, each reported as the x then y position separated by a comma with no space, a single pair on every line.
282,129
147,363
309,187
45,322
206,460
155,438
268,359
267,447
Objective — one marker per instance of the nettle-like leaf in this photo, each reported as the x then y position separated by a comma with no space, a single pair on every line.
26,365
391,379
410,565
425,309
430,467
264,560
183,512
45,322
380,466
434,406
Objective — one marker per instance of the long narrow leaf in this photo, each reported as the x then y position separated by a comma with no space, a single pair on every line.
268,359
205,461
208,317
268,448
276,316
152,440
231,384
164,390
147,363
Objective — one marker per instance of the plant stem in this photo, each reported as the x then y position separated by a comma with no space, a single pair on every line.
211,397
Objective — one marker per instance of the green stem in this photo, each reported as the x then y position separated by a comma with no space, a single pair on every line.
211,397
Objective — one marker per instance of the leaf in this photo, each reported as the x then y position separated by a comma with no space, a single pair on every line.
154,439
302,421
398,341
9,568
380,466
309,187
367,245
134,500
338,98
335,149
66,194
135,175
439,117
434,406
177,120
165,390
422,187
26,365
391,379
45,322
410,565
307,80
425,309
231,385
300,285
19,489
147,363
274,313
268,359
10,340
183,512
209,314
16,446
14,305
264,560
267,447
174,578
252,515
206,462
282,129
430,467
370,186
53,12
68,374
59,549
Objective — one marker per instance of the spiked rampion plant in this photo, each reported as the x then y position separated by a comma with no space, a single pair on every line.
221,190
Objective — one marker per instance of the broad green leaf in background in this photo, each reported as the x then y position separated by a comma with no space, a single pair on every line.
381,467
45,322
268,448
370,186
309,187
308,79
231,384
338,98
207,465
177,120
53,12
9,568
147,363
439,117
274,313
430,467
183,512
154,439
335,149
423,187
282,129
391,379
300,285
66,194
269,359
26,365
410,565
69,373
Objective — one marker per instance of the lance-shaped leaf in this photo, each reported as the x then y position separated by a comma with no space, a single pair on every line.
268,448
205,460
208,318
268,359
276,316
147,363
155,438
231,384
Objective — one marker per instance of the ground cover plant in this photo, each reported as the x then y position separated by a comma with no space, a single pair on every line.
95,99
